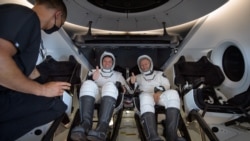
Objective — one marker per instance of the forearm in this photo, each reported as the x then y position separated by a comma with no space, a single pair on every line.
130,83
34,74
11,77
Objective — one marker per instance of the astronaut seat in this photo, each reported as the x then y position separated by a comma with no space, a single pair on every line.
115,121
199,84
116,115
182,129
150,111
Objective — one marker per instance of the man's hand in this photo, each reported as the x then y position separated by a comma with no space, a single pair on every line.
124,90
96,74
52,89
11,76
132,78
159,88
157,96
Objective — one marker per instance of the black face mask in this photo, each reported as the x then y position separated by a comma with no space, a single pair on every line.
53,29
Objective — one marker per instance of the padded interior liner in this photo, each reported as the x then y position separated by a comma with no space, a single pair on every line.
67,71
192,71
212,77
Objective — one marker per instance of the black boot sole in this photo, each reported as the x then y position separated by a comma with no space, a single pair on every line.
78,136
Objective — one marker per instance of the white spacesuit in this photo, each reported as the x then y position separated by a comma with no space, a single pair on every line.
149,82
101,89
105,84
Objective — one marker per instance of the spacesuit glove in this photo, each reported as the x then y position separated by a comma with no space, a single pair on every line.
119,87
159,88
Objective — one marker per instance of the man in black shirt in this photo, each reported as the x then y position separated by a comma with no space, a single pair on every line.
25,103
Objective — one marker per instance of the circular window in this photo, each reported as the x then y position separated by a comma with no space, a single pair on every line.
127,6
233,63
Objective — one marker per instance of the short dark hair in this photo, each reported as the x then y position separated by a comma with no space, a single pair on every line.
58,4
108,57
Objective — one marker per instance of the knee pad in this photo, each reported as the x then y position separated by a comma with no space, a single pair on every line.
147,108
89,88
147,103
171,99
109,89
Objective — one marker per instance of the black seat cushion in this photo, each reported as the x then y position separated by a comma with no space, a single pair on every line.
68,71
192,71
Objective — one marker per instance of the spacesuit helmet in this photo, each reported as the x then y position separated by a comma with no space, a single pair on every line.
150,70
105,54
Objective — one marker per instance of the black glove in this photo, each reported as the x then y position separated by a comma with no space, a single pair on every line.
159,88
119,86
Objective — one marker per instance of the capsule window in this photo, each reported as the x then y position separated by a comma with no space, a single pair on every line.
233,63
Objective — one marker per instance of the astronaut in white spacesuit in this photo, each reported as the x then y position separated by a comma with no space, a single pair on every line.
155,89
100,89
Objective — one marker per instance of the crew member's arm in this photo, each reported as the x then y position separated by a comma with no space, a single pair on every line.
165,85
165,82
131,81
157,93
96,74
11,76
34,74
121,84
